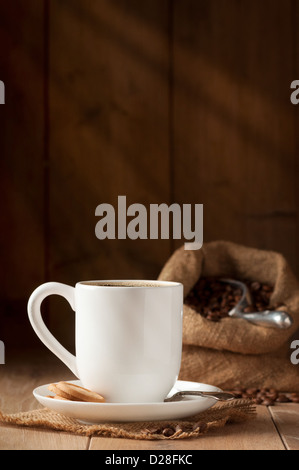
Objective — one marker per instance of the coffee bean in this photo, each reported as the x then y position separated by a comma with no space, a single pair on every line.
255,286
273,396
214,299
258,401
248,309
268,402
294,396
212,317
265,396
266,288
282,399
168,432
252,391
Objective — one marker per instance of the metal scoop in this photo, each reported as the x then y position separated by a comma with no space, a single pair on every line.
219,396
266,318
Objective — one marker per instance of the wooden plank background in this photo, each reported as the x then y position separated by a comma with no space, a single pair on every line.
159,100
21,164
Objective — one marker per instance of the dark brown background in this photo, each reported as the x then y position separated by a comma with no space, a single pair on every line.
159,100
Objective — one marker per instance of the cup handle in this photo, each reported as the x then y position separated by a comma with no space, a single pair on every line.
35,317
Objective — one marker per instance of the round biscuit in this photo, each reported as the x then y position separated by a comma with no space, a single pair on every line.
81,393
55,388
57,397
78,393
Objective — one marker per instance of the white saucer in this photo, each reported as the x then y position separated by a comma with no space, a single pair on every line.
128,412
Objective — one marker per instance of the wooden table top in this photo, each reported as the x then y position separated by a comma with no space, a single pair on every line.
274,428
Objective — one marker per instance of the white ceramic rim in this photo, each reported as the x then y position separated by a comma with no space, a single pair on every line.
136,283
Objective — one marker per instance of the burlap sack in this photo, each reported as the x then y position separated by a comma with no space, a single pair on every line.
238,410
233,352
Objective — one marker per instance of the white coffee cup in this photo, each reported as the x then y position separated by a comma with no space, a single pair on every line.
128,336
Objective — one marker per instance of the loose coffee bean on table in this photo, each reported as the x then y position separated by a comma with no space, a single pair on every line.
266,396
213,299
259,396
169,431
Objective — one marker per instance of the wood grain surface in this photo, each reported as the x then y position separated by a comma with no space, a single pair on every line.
274,428
21,163
234,134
